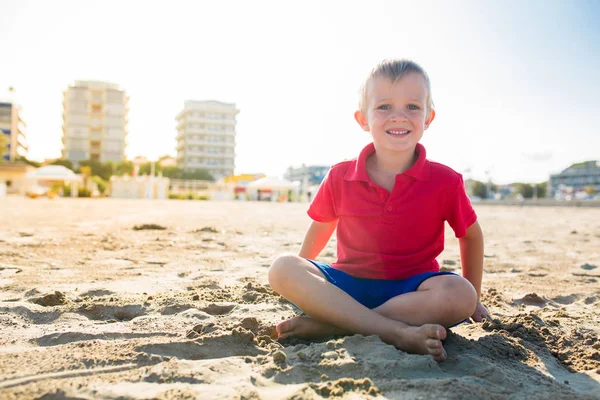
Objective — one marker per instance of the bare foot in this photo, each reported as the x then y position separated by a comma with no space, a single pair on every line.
426,339
306,328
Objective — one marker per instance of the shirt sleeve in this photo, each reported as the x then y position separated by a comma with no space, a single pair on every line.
459,211
322,207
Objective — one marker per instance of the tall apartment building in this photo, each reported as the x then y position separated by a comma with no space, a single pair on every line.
94,122
206,137
12,128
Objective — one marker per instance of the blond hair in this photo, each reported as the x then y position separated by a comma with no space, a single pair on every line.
394,70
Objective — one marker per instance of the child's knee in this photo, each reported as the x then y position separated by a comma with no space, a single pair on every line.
466,296
462,296
280,268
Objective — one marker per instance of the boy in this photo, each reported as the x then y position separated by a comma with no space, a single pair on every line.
389,206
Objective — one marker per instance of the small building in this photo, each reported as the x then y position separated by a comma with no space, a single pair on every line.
307,174
577,178
12,175
273,189
139,187
238,183
49,180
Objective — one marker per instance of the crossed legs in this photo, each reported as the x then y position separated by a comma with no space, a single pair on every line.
413,322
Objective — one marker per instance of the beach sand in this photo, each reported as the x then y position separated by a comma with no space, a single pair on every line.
91,307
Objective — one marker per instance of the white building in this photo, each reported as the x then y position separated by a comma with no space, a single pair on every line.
206,137
139,187
94,122
12,129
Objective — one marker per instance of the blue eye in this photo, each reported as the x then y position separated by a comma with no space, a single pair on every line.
413,107
384,107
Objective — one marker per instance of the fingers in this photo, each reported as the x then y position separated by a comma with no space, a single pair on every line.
481,313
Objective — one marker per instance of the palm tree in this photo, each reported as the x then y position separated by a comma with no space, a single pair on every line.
3,144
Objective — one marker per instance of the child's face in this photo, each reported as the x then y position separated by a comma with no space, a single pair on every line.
396,114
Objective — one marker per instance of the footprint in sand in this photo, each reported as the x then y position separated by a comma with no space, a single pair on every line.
565,300
144,227
218,309
53,299
234,343
532,299
97,293
107,313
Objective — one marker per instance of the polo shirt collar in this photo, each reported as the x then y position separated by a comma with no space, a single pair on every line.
358,167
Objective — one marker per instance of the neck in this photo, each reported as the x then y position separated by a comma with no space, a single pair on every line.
393,163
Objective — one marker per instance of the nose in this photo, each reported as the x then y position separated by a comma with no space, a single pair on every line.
398,115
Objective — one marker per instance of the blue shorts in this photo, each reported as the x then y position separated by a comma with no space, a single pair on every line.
372,293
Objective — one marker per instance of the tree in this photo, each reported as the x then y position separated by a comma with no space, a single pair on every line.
172,172
479,189
3,144
542,189
124,168
64,163
176,172
29,162
103,170
524,189
198,174
101,183
146,168
591,190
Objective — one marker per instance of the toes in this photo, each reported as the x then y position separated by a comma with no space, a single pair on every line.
441,333
440,356
435,331
284,327
436,349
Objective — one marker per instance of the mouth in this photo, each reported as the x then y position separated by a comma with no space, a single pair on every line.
398,132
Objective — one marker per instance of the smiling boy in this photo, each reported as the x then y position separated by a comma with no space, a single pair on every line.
388,208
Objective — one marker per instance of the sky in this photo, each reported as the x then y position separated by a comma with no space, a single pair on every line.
515,84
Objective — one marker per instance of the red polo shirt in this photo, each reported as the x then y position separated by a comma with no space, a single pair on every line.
382,235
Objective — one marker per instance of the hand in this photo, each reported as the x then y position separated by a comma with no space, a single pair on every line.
480,313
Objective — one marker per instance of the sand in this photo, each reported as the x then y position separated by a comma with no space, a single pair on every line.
93,307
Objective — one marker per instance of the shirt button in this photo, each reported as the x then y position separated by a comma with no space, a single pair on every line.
389,208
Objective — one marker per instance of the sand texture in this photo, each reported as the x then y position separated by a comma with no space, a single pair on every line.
134,299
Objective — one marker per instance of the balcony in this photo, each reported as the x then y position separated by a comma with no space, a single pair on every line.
207,143
204,131
206,154
210,121
205,165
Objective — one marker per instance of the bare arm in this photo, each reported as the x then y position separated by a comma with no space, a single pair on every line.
316,238
471,256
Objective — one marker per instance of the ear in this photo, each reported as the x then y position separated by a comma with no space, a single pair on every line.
362,120
429,118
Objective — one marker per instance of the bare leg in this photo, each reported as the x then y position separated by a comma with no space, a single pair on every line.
453,295
308,328
442,299
302,283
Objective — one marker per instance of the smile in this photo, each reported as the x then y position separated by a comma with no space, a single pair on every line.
398,132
